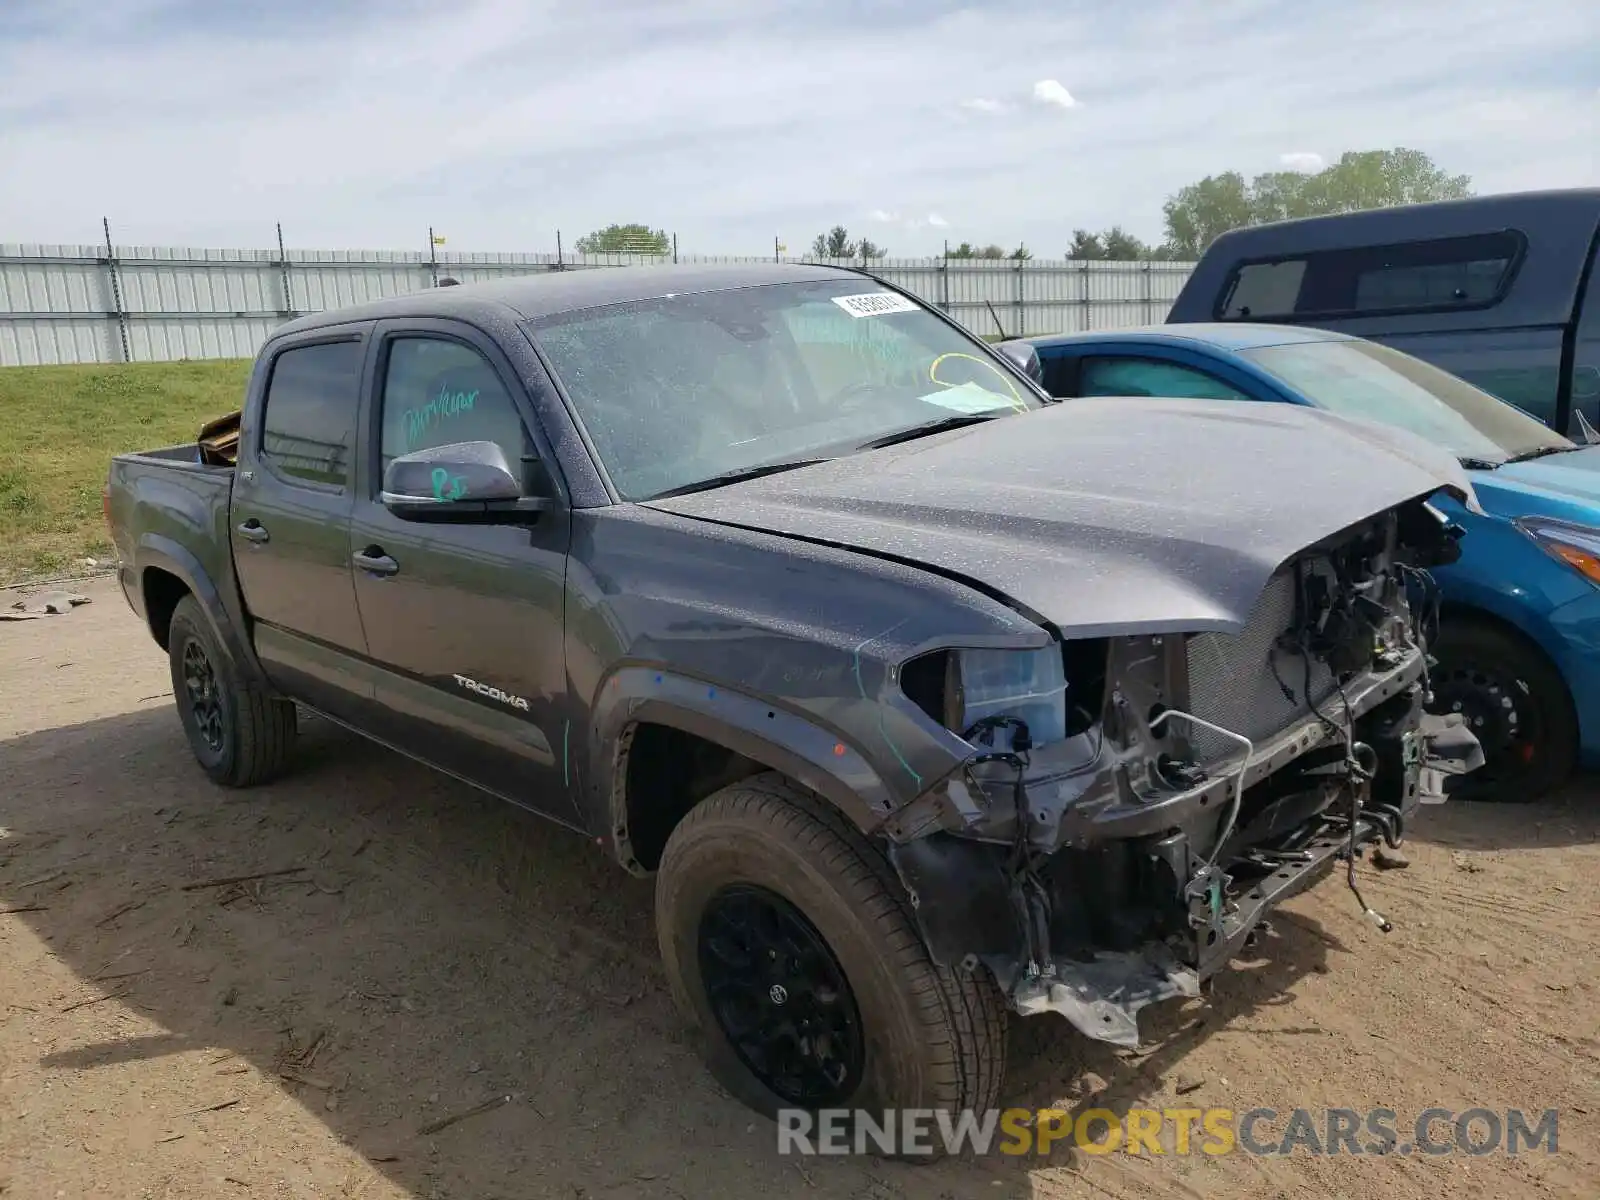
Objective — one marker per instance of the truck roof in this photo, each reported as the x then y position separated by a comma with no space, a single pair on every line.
1436,218
531,296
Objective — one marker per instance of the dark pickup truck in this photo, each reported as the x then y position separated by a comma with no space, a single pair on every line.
924,697
1501,290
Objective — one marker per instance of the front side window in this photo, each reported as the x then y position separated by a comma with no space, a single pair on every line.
437,392
678,390
309,418
1150,377
1373,382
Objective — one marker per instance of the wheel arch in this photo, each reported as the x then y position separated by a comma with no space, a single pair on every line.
729,735
166,573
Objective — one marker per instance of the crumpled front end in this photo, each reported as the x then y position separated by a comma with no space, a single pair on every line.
1199,781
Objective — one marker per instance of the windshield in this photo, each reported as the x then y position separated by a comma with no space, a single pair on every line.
682,389
1377,383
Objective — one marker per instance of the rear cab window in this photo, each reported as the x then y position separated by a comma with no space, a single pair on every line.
1437,275
308,418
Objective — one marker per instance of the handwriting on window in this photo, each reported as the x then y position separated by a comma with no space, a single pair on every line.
424,418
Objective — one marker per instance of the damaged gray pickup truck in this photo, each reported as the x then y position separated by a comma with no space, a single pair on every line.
924,698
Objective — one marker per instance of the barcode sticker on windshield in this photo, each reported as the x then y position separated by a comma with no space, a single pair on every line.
875,304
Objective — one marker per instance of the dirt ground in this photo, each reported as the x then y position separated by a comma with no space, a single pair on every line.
435,951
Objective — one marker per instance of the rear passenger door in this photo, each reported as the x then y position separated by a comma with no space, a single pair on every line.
289,520
464,622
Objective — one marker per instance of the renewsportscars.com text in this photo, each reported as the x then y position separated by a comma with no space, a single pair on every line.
1176,1131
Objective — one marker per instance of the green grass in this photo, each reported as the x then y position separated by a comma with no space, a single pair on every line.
59,427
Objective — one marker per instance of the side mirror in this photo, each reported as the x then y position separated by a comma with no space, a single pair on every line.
462,483
1024,357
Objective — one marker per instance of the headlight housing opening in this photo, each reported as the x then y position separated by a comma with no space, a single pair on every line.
969,690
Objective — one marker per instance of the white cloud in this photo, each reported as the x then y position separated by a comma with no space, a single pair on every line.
1308,162
884,216
1050,91
986,105
360,124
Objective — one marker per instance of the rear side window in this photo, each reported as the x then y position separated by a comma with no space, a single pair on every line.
308,424
1426,276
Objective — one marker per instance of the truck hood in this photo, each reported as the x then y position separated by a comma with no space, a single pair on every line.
1106,515
1559,485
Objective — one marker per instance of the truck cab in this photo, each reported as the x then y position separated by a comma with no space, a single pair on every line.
1500,290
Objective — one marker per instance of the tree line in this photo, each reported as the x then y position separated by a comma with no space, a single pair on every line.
1194,216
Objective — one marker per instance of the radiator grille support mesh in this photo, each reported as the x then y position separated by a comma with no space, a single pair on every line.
1231,680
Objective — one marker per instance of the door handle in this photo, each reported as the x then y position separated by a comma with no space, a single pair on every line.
253,531
374,561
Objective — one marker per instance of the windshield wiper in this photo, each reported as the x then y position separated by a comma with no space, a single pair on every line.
739,476
1482,464
1528,455
930,427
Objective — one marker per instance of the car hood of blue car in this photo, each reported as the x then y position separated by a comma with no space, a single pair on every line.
1565,486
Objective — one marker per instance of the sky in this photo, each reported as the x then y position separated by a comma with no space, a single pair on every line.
732,123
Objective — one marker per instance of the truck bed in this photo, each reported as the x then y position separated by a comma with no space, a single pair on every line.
186,452
169,510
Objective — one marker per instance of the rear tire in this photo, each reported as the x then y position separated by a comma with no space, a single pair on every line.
1514,700
240,733
901,1032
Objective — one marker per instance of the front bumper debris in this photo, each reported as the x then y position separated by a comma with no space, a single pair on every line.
1192,882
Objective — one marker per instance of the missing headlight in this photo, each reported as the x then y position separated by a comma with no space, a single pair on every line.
968,687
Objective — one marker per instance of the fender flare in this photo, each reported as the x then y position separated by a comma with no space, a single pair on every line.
164,554
769,733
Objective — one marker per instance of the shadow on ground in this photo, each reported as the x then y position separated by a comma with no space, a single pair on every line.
1568,817
428,950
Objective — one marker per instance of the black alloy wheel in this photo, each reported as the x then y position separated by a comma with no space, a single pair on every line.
780,997
203,696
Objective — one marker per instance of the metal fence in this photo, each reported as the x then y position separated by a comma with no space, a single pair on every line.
85,303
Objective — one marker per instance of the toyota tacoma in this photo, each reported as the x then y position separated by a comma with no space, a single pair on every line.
925,699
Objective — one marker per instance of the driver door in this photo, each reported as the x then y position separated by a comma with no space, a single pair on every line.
463,622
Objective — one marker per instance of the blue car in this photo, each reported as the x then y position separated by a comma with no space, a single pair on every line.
1519,641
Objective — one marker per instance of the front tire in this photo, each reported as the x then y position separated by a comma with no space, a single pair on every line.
1514,700
790,948
240,733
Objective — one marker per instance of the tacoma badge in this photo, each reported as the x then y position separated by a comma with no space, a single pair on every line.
494,693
